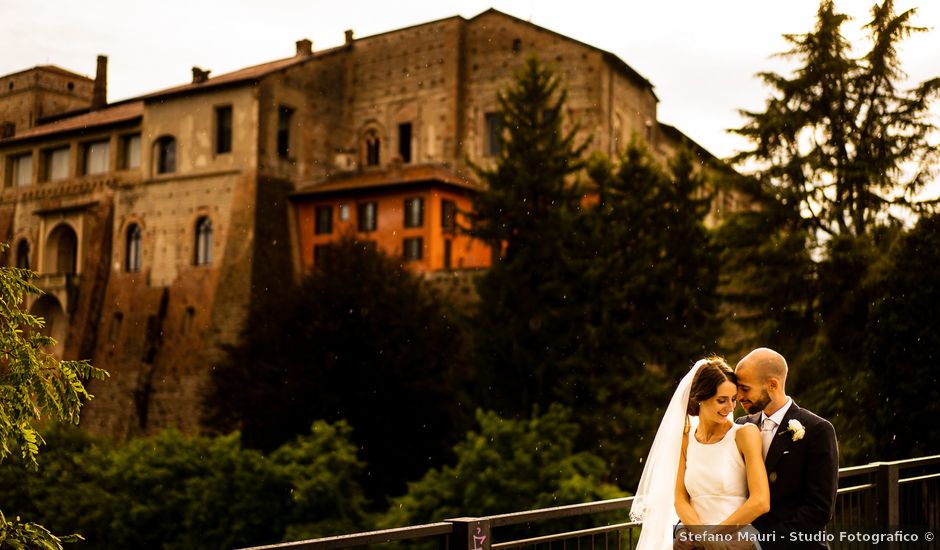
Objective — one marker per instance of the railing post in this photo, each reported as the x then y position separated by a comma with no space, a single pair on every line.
470,534
887,497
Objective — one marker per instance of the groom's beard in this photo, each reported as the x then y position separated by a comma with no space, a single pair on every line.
760,404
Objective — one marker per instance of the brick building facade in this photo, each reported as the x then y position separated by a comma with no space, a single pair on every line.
156,222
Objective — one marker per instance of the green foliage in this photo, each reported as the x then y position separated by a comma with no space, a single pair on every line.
842,154
505,466
839,137
324,470
173,491
652,259
647,299
359,339
35,386
529,213
903,343
594,304
528,189
769,280
18,535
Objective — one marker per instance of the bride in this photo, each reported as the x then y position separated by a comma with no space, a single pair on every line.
705,472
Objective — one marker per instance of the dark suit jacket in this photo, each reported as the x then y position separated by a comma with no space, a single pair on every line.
803,477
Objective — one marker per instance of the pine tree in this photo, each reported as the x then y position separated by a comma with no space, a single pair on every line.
649,299
842,155
839,137
528,216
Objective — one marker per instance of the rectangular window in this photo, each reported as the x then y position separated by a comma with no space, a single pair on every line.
22,166
448,215
494,135
324,220
404,142
165,150
413,248
97,157
368,216
223,129
414,212
343,212
284,117
56,165
130,146
320,255
448,253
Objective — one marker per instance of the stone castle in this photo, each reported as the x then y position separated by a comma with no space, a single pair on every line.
155,223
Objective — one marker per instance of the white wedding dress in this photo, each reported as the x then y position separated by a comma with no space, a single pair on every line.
715,474
715,477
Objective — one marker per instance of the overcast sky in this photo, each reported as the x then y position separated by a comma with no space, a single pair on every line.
700,55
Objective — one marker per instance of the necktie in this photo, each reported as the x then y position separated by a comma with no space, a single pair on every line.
767,431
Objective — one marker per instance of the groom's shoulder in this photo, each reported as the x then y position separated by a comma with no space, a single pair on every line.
810,418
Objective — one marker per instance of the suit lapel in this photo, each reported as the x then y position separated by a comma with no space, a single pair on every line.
753,419
780,442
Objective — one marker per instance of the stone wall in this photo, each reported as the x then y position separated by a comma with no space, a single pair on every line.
29,95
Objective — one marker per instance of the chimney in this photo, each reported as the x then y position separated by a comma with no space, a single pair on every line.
99,94
304,48
349,37
199,75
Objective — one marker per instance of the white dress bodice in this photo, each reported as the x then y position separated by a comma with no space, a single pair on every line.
715,477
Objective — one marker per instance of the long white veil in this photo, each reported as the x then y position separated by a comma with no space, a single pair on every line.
654,502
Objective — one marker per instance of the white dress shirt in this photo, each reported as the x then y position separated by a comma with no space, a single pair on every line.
770,424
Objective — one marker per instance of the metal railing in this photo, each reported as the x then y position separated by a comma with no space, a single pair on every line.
900,493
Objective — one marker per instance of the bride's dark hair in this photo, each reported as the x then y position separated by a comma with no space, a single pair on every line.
705,384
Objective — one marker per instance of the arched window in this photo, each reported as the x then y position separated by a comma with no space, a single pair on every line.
203,241
132,248
164,153
22,254
372,145
62,246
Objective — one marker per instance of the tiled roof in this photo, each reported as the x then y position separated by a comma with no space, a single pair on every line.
132,108
51,68
405,175
109,115
241,75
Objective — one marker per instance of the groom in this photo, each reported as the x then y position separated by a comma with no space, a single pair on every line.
800,453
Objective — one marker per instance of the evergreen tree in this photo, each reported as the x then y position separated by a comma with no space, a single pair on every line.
360,339
648,302
768,278
903,344
527,214
839,136
842,154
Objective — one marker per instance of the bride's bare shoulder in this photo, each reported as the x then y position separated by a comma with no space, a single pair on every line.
747,435
748,427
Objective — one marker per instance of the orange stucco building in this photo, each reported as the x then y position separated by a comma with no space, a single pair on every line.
409,212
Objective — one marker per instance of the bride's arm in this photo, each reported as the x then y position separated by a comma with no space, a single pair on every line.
684,509
758,500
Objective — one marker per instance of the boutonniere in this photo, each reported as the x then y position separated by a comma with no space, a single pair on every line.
794,426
